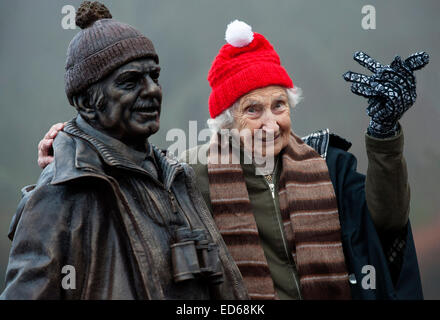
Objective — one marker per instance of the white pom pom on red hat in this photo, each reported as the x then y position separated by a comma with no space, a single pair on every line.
239,34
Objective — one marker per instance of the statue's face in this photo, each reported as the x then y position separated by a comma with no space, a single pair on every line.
133,98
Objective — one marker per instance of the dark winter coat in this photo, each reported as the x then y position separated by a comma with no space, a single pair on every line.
387,247
78,215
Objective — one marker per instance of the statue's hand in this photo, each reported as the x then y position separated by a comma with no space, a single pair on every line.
391,90
45,151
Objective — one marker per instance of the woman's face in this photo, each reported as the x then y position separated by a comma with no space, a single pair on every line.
266,109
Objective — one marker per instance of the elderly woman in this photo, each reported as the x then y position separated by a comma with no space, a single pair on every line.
310,226
304,230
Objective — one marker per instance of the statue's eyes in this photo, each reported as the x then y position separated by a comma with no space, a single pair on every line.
130,83
155,75
127,82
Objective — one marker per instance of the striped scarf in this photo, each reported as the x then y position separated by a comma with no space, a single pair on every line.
310,216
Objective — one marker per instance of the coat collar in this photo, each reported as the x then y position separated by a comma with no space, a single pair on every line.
78,154
320,140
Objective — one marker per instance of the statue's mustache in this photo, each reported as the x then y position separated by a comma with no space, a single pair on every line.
150,105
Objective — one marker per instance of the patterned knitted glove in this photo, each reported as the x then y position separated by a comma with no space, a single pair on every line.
391,90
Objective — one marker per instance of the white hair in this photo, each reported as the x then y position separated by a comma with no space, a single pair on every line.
225,120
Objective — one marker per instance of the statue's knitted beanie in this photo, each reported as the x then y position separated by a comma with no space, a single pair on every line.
102,45
245,63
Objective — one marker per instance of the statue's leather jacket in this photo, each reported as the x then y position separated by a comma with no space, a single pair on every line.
75,236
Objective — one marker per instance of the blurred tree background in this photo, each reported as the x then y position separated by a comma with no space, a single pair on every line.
315,40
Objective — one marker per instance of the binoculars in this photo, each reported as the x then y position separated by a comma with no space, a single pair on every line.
193,256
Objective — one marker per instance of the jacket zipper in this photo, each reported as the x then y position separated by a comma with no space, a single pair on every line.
271,183
173,200
175,207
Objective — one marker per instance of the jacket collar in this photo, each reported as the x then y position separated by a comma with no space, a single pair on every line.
78,154
129,153
320,140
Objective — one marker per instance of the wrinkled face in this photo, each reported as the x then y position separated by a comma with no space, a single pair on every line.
133,98
266,109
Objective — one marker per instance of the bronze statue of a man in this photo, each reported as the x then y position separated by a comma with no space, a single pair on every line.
117,215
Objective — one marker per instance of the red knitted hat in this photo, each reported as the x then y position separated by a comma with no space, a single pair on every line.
247,62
